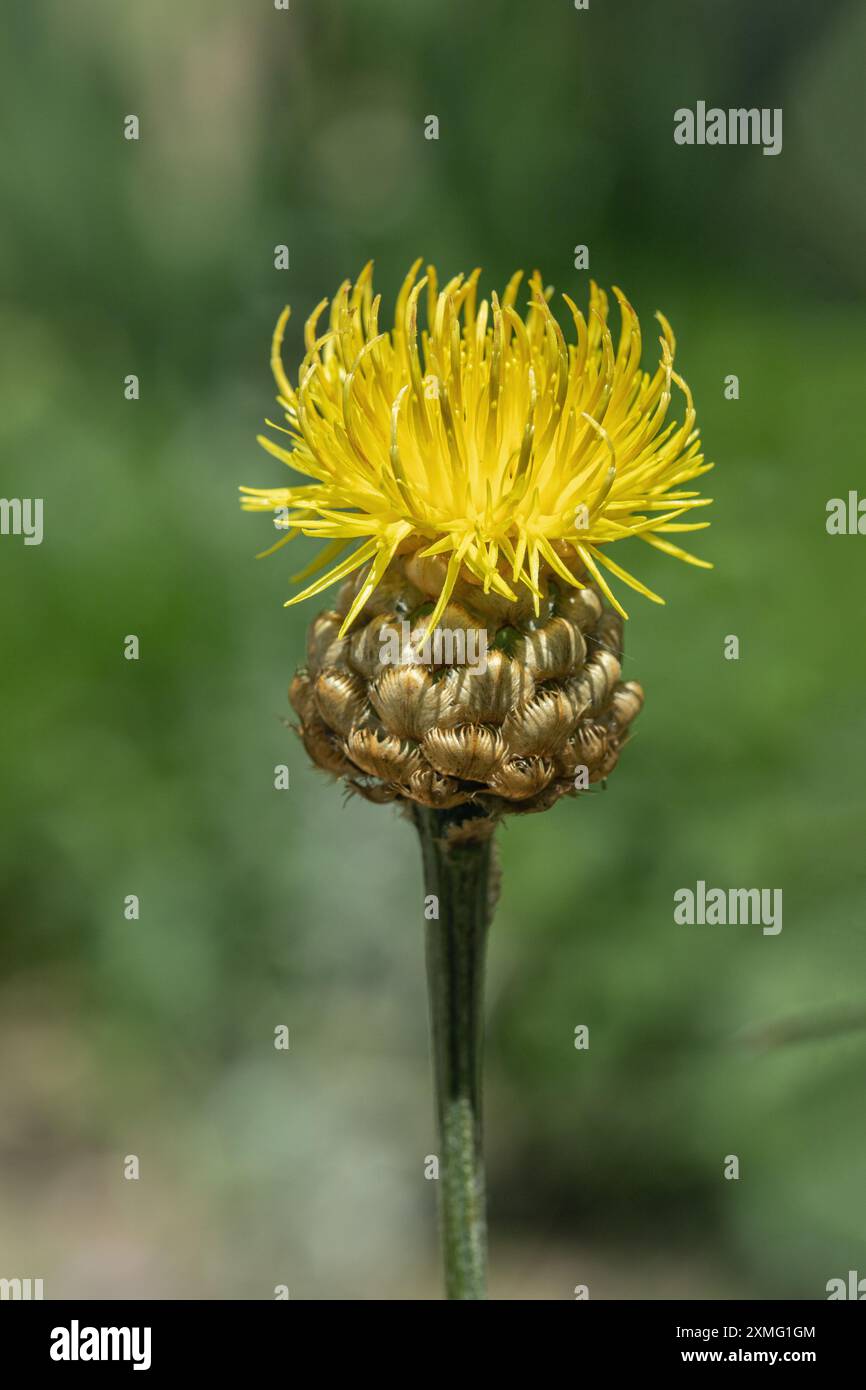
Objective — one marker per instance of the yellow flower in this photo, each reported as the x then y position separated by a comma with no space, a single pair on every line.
485,438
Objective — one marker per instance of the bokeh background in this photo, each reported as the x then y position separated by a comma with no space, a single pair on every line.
261,907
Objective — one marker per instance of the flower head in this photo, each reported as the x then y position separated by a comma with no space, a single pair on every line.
484,438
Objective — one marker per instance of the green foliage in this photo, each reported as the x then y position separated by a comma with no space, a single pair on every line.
261,907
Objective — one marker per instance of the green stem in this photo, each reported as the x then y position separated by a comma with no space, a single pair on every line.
461,874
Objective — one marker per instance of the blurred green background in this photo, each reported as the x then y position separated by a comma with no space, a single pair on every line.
261,907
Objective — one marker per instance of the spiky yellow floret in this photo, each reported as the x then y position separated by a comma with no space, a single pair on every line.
485,438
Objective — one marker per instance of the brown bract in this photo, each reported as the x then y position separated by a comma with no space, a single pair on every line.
535,711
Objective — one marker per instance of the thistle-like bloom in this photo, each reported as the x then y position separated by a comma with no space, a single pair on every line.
485,439
480,470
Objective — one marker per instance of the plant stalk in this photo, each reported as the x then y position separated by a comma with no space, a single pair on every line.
460,873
